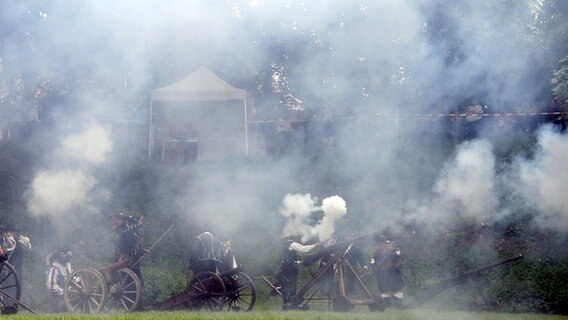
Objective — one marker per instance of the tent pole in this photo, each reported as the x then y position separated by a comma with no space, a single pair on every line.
246,129
150,135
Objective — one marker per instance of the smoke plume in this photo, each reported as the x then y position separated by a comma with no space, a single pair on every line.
298,210
543,179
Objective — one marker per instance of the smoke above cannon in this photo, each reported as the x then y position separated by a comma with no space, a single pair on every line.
298,210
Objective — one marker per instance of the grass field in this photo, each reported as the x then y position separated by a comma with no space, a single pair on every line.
415,314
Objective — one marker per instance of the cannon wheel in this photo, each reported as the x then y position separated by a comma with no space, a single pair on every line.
379,305
125,290
206,291
342,304
85,291
9,285
241,295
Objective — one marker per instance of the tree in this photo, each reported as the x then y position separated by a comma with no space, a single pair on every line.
560,80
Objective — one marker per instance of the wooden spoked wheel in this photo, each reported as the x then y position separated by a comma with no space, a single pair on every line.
10,288
342,304
241,292
206,291
85,291
125,290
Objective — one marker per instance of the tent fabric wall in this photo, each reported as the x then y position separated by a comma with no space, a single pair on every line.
199,99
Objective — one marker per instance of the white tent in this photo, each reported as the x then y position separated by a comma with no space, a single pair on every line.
202,90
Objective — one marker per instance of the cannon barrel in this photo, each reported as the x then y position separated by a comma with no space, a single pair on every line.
323,250
429,292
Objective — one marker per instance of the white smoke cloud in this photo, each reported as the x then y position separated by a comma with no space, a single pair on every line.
334,208
91,145
544,179
67,186
467,183
56,193
298,208
465,189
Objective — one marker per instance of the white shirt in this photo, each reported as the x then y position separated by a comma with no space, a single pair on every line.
298,247
54,271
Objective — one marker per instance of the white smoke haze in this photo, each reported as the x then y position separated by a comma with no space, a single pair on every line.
543,181
58,193
464,191
298,210
93,145
68,187
134,47
467,183
334,208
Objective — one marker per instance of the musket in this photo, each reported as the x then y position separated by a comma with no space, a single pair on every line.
153,245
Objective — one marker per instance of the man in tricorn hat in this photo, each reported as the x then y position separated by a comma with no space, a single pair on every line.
128,242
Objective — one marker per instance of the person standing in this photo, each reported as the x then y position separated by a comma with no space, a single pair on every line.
19,244
289,265
128,242
387,264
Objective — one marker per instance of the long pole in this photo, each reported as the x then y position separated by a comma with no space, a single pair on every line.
246,130
5,295
154,244
150,124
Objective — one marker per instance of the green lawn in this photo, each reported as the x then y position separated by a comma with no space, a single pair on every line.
414,314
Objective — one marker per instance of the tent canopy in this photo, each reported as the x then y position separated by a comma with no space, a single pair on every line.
186,106
202,85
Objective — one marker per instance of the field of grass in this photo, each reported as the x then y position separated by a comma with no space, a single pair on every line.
414,314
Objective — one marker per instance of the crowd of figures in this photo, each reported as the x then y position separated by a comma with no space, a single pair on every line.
14,245
303,132
207,254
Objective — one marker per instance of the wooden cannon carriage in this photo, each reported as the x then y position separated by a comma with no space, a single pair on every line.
10,289
92,290
348,289
231,290
471,279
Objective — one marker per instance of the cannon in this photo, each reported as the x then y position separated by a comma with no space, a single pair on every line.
220,285
91,290
10,289
114,287
341,298
231,290
427,293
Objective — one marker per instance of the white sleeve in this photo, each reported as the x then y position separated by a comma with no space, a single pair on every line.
294,246
25,242
51,282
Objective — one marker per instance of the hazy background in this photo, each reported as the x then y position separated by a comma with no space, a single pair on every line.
88,65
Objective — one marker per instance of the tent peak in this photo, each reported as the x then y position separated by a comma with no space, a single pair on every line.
201,85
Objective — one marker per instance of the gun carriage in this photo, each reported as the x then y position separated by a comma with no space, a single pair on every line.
231,290
91,290
348,288
10,289
116,286
217,283
471,278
